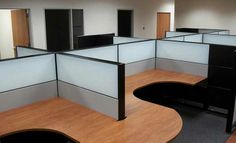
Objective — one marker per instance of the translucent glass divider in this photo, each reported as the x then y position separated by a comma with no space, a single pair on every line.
120,40
23,72
174,34
177,38
183,51
229,40
225,32
28,51
137,51
194,38
97,76
105,53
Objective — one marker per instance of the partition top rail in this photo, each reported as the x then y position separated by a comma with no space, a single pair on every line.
92,59
24,57
136,41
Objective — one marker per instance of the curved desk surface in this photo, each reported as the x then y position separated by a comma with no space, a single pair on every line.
145,122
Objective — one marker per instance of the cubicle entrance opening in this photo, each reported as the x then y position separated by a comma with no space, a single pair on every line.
125,23
14,31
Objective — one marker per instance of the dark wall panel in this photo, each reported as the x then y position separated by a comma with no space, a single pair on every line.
125,23
57,30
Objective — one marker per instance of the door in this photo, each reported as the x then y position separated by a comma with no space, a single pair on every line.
125,23
163,24
20,27
58,29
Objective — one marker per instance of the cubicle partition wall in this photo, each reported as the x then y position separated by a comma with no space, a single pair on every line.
22,51
97,84
26,80
137,56
220,39
183,57
120,40
176,33
108,53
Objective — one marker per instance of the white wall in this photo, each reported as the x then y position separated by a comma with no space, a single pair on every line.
214,14
100,16
6,37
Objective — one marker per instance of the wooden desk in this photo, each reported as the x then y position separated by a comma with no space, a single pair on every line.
145,122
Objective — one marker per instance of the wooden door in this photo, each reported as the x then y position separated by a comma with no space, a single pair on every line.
163,24
20,27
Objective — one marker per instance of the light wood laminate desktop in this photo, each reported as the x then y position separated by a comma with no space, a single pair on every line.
145,122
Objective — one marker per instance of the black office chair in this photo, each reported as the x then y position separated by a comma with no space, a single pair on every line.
36,136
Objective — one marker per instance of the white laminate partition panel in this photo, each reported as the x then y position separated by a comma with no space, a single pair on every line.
220,39
226,32
134,52
194,38
120,40
105,53
174,34
22,51
183,51
179,38
28,71
92,75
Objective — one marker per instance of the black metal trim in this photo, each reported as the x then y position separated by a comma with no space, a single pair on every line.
56,73
185,42
24,57
106,34
155,54
121,92
118,53
136,41
86,89
26,86
91,59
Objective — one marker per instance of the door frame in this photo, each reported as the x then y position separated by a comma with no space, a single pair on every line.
157,22
132,20
29,22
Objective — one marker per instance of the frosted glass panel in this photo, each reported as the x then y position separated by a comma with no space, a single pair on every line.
119,40
24,72
179,38
190,52
96,76
193,38
220,39
173,33
134,52
106,53
21,52
226,32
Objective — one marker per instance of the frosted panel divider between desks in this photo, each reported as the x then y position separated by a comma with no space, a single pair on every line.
178,38
134,52
105,53
220,39
226,32
174,34
92,75
183,51
24,51
119,40
28,71
194,38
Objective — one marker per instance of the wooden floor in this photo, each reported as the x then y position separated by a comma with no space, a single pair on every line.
145,122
